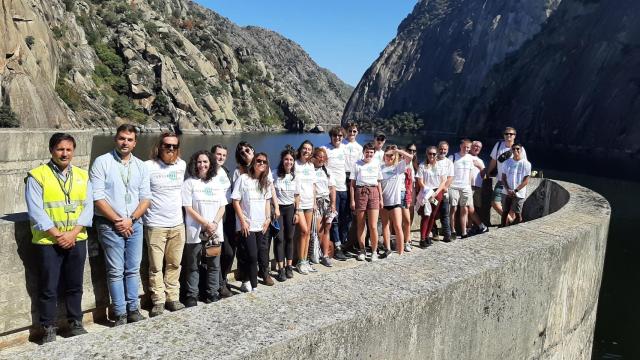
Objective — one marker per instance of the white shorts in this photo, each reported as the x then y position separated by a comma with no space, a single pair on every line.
461,197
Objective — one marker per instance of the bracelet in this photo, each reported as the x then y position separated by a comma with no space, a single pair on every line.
215,221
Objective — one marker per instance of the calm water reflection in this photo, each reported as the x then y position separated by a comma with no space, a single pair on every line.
618,321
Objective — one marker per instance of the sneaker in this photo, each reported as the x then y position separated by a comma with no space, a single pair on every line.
76,328
211,298
282,276
464,236
135,316
254,290
245,287
374,256
424,244
288,271
267,280
483,229
120,320
190,302
310,268
447,239
326,261
361,256
339,255
49,334
388,253
407,247
173,306
454,235
156,310
302,268
224,291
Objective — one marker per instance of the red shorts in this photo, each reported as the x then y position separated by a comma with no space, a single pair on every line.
367,198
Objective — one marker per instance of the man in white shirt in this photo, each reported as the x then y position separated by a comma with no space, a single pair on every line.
337,168
499,154
515,177
378,145
444,167
460,195
352,149
163,225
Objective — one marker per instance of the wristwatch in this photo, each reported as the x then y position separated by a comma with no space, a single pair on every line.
133,218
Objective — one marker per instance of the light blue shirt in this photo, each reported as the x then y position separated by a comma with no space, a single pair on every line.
112,180
35,203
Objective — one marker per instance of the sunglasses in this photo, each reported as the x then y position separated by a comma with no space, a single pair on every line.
261,162
380,139
389,155
170,146
412,150
516,149
432,154
353,131
338,135
509,134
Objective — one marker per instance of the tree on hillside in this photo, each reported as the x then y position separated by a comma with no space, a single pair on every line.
8,118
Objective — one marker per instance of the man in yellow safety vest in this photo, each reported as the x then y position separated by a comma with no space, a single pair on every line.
60,204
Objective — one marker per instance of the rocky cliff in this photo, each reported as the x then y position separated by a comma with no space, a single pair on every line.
441,54
75,64
576,83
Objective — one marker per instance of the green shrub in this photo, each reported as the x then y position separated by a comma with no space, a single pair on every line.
109,57
69,5
69,95
161,104
102,71
29,40
59,31
122,106
8,119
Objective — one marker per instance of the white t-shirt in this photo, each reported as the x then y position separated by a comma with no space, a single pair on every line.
336,165
475,172
286,188
306,177
392,183
462,170
516,171
378,156
323,183
353,152
206,198
430,177
236,175
366,174
166,184
444,168
252,201
499,148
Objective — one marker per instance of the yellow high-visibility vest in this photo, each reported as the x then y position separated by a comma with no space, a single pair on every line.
63,209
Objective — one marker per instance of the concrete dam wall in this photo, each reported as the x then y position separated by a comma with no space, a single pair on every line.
529,291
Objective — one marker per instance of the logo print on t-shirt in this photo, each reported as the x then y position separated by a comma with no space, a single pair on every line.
173,175
208,191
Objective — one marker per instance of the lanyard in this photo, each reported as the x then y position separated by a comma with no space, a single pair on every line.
125,180
63,185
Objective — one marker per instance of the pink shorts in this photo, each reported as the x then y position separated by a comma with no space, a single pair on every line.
367,198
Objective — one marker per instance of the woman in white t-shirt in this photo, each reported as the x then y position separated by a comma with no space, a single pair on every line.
251,194
306,177
366,198
204,199
325,203
430,178
288,197
393,169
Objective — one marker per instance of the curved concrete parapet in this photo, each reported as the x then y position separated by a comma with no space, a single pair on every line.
525,292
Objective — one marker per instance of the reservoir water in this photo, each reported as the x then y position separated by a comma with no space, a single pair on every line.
618,322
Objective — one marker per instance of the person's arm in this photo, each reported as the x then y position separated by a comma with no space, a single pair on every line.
524,183
441,187
274,201
244,225
267,216
492,166
86,216
35,207
352,188
296,202
405,156
380,194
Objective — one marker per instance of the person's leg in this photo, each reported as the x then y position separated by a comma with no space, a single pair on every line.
506,207
191,259
72,270
114,255
132,258
386,232
396,221
435,211
343,220
463,220
360,218
444,217
372,215
172,261
228,253
50,259
406,226
496,204
288,230
263,254
278,241
213,276
243,252
303,235
308,218
424,225
253,241
156,239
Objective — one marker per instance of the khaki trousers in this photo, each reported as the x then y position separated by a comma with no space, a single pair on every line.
165,246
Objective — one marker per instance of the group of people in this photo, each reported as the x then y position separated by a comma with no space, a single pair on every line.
200,213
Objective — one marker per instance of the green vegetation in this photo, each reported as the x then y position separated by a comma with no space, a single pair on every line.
123,107
404,122
29,40
68,94
59,31
8,119
110,58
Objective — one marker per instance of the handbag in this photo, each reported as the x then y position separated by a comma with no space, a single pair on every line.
212,246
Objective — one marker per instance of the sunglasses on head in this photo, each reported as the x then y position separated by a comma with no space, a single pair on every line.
170,146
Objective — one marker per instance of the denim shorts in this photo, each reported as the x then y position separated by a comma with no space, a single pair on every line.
497,192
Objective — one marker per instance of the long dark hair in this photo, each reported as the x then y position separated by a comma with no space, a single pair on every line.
414,161
239,151
288,150
262,178
192,167
299,152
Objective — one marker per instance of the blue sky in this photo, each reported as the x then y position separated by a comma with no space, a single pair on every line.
343,36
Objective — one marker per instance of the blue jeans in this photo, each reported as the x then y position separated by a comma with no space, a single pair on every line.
340,225
122,259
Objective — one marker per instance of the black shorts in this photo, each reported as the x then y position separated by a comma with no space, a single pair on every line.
391,207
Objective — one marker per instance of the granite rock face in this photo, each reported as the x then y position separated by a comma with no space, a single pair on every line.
79,64
442,52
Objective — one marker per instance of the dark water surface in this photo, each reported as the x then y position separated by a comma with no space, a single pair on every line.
618,322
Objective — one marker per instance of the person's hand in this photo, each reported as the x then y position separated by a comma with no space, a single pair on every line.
276,213
265,226
211,228
333,208
295,218
381,203
123,224
244,228
66,240
353,206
